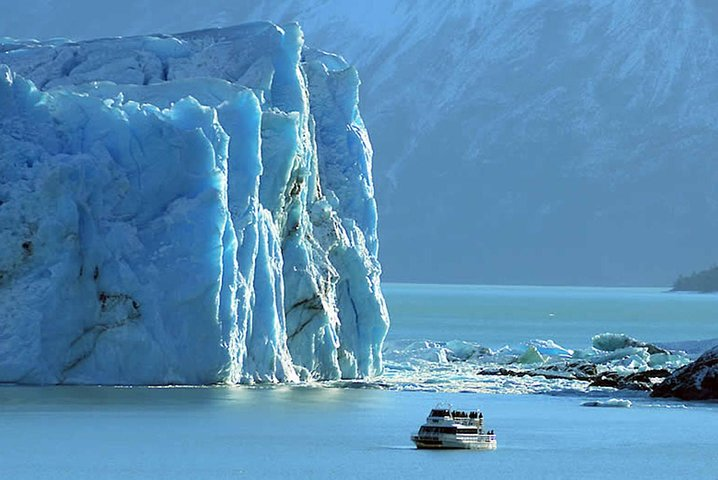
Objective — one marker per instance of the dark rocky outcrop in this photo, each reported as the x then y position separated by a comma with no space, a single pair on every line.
635,381
587,372
695,381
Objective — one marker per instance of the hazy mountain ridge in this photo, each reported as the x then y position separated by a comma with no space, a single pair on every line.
522,142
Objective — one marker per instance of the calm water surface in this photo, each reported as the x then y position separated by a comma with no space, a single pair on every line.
328,433
298,432
499,315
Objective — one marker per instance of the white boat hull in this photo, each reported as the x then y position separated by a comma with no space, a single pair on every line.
454,443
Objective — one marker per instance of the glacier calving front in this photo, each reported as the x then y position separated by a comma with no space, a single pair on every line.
186,209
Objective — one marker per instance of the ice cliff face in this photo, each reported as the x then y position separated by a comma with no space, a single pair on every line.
190,209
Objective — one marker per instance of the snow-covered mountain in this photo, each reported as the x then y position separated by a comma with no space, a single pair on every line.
191,209
515,141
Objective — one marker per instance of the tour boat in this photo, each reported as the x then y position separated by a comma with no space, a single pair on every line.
447,428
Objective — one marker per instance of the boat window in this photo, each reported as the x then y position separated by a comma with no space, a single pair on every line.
451,430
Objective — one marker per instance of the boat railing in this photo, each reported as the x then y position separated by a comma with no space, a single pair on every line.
465,421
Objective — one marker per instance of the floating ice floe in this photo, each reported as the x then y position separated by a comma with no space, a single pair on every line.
613,360
611,403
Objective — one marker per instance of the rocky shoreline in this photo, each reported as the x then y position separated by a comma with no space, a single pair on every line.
586,372
696,381
614,361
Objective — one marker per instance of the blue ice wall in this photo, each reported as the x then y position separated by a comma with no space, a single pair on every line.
186,209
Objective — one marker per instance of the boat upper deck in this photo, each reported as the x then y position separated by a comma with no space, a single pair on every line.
446,415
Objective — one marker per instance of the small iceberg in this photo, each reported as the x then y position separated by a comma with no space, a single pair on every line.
531,356
613,403
611,342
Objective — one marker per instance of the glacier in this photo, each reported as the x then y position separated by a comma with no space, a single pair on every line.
185,209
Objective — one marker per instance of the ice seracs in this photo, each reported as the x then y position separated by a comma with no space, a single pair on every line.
185,209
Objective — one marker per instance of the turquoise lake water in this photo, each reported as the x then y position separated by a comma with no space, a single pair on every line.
497,315
318,432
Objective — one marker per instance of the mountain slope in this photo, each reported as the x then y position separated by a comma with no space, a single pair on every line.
515,142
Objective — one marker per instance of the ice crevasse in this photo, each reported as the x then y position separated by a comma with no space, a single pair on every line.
185,209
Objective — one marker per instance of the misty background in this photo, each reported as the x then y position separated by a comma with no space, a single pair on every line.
520,142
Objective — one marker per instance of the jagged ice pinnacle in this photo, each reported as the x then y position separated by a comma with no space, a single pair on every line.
185,209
